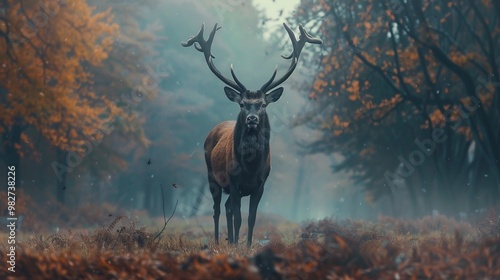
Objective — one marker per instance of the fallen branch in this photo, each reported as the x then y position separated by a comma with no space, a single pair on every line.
164,216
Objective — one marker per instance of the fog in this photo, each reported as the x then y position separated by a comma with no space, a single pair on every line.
161,100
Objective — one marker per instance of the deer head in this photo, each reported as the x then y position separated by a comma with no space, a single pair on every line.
252,103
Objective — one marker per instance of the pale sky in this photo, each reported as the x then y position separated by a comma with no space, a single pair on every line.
272,9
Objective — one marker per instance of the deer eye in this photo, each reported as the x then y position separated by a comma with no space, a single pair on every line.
242,105
264,105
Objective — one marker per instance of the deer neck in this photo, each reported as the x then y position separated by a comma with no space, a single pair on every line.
251,146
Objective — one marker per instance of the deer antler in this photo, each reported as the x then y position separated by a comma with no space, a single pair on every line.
297,48
205,47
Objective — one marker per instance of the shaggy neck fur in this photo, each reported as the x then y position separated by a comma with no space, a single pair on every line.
251,146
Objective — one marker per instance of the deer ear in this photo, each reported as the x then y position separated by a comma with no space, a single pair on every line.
232,94
274,95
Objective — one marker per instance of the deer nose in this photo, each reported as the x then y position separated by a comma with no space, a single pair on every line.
252,119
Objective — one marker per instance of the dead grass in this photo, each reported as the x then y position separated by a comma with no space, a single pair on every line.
428,248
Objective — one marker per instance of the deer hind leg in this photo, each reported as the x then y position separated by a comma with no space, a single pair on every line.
216,192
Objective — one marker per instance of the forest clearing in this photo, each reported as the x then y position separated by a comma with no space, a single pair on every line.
130,128
427,248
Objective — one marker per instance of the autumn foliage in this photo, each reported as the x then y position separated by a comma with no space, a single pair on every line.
47,50
54,57
396,72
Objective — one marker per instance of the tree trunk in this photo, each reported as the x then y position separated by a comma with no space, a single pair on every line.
298,187
392,200
147,194
61,184
413,197
496,4
11,139
198,200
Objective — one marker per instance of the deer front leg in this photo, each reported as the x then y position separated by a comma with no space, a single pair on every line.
236,205
229,219
252,215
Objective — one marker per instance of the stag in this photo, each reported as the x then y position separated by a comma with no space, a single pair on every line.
237,152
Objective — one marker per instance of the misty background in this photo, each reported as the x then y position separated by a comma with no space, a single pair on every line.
167,100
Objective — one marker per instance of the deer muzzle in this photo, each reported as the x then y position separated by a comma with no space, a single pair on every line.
252,121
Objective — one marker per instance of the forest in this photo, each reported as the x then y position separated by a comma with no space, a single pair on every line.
384,143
